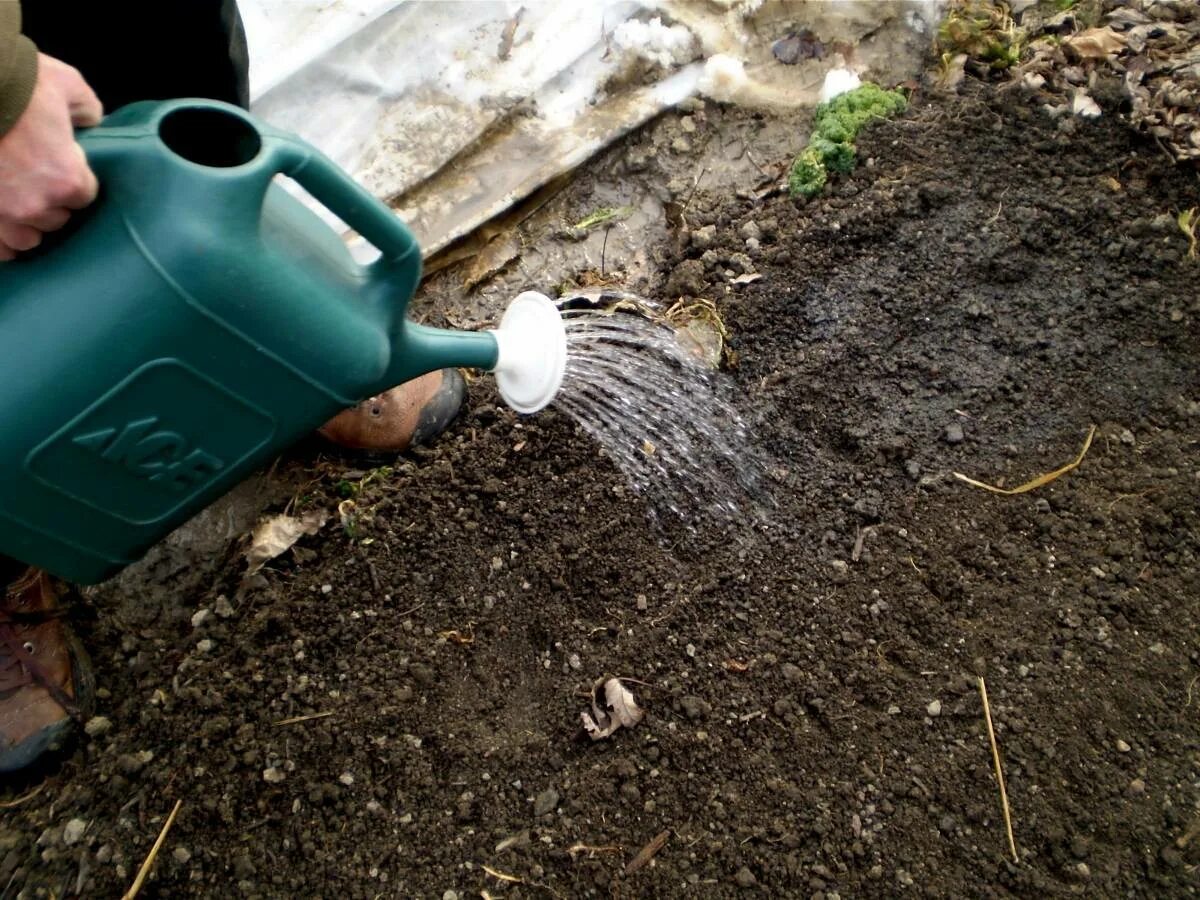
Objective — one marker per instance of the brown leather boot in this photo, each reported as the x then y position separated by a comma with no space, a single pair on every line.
406,416
45,677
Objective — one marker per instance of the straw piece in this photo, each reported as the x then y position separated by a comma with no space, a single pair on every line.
150,857
987,713
1040,480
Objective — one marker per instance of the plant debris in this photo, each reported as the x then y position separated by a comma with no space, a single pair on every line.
647,853
1152,47
1041,479
984,32
276,535
606,215
613,709
1187,221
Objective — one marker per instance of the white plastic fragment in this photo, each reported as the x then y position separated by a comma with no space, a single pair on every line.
839,81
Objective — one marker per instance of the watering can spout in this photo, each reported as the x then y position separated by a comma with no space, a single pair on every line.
532,357
527,352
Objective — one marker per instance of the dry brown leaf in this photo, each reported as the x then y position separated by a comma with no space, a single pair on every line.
1041,479
619,709
734,665
1096,43
276,535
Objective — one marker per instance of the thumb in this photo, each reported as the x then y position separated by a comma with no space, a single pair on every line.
85,106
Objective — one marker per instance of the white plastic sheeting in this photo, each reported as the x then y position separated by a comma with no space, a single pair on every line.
453,111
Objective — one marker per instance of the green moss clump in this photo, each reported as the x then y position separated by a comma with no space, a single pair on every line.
835,126
808,175
838,157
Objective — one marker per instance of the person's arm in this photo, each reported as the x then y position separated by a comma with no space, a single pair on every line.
18,66
43,172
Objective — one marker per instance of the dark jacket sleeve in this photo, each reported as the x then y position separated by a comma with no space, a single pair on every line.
18,66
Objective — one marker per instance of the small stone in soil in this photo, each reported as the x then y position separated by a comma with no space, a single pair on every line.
545,802
97,726
223,607
1122,747
934,708
273,775
200,617
74,831
695,708
745,878
182,855
954,433
1137,787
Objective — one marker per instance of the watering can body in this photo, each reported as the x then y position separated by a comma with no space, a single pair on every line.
197,319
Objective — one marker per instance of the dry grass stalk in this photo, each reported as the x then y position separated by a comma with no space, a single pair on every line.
987,714
575,849
153,854
12,804
297,719
503,876
1041,479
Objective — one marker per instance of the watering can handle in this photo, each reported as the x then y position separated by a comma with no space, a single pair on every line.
334,189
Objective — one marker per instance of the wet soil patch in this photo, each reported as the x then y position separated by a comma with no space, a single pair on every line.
396,706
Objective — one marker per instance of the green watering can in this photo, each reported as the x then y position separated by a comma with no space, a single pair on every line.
196,320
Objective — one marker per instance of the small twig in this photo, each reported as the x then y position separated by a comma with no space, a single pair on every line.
150,857
987,714
647,853
589,850
12,804
296,719
603,250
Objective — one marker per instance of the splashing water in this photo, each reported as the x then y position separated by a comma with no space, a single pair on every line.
662,415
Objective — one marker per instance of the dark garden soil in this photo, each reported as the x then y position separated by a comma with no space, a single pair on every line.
988,285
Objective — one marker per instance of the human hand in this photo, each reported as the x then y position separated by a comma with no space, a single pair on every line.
43,171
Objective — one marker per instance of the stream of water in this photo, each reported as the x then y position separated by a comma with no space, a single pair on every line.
662,415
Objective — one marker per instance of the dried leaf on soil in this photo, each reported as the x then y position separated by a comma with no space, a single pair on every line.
1096,43
1041,479
276,535
618,710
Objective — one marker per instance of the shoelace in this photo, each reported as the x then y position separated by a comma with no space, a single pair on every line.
18,666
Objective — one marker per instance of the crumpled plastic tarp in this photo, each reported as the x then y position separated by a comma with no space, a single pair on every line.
453,111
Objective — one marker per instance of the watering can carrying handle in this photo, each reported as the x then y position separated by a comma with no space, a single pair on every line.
344,197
